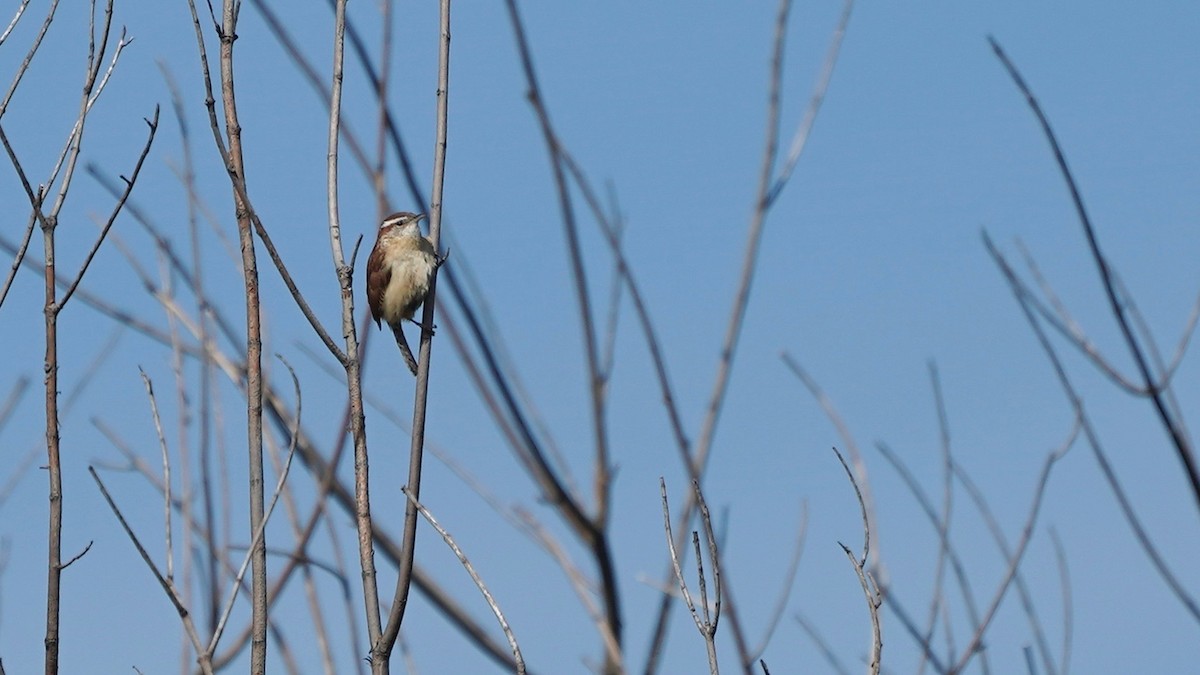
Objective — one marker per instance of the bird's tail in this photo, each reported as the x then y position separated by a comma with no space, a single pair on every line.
402,343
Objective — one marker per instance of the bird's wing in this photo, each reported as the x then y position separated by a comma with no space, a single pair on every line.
379,276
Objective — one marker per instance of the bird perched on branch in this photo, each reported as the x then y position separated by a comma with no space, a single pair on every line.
399,273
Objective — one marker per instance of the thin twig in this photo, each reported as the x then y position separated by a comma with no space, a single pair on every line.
866,579
487,595
1064,580
166,471
129,183
167,586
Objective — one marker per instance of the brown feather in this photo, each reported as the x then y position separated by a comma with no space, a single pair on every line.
378,277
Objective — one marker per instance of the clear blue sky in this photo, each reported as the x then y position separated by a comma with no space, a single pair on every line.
872,265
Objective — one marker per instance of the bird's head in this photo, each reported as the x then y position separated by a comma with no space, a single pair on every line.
401,224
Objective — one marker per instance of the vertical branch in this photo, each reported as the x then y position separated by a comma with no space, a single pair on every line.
416,454
254,389
54,564
353,361
51,309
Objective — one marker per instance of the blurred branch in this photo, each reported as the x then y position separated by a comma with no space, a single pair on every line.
256,546
593,530
937,604
1035,625
166,474
1015,559
800,137
1091,436
785,592
856,458
827,652
14,397
946,548
1064,576
1183,447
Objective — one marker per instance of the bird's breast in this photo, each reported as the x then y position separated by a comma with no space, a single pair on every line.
412,269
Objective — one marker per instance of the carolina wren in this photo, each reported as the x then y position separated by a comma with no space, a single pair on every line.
399,273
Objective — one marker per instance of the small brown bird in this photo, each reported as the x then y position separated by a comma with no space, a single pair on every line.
399,273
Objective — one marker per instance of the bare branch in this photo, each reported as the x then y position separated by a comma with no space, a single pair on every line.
487,595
